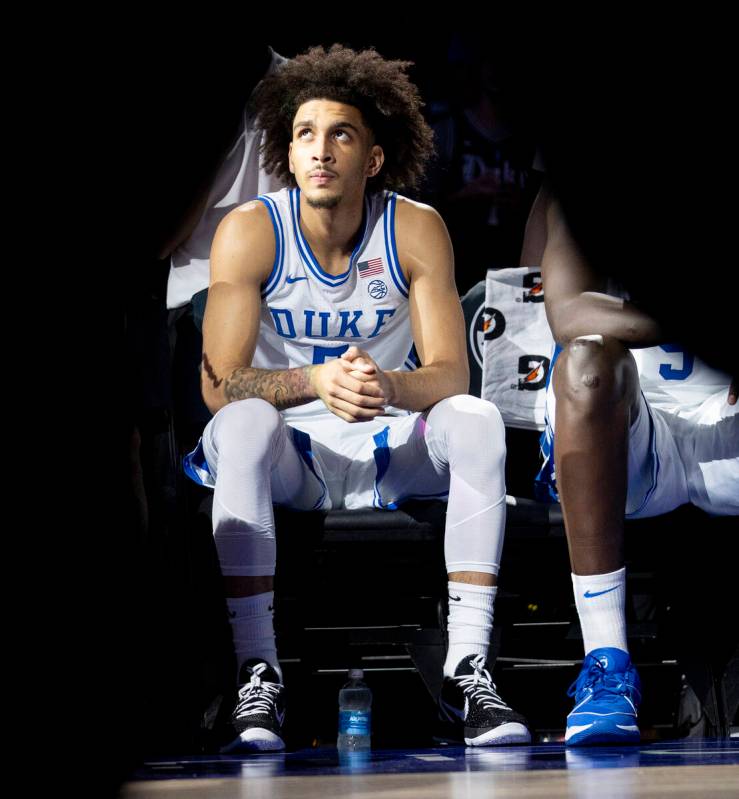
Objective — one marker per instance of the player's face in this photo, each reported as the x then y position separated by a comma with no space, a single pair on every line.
332,152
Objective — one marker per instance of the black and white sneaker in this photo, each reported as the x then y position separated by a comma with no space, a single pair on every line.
260,710
471,710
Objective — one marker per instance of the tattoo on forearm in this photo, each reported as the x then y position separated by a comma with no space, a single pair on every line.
284,389
211,374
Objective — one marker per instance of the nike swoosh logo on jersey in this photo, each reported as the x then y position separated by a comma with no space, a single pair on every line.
291,279
588,595
455,598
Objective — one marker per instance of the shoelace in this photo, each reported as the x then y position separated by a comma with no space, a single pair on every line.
598,679
256,696
480,685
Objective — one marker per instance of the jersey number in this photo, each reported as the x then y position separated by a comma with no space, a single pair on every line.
668,372
321,353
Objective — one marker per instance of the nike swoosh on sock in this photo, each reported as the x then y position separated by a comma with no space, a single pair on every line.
588,595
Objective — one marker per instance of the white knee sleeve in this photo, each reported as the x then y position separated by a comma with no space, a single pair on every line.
467,434
242,443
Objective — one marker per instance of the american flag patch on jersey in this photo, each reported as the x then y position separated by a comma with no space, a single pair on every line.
372,267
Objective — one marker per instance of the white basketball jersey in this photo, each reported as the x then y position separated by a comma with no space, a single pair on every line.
676,381
672,378
309,315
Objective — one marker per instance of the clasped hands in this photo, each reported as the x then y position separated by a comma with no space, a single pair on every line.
352,386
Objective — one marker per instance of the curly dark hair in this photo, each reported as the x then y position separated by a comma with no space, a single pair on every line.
389,103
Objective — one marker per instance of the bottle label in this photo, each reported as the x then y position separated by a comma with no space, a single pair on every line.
355,722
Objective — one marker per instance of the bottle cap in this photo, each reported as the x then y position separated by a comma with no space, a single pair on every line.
356,674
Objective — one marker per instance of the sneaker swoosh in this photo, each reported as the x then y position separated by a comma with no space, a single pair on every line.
451,710
291,279
588,595
575,729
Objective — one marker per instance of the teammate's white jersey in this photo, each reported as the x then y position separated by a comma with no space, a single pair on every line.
309,315
684,444
676,381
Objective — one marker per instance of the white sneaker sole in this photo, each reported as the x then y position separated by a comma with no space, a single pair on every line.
255,739
511,733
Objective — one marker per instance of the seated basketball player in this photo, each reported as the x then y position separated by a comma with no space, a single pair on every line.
317,294
636,427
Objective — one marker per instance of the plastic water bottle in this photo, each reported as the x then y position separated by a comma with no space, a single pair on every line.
355,714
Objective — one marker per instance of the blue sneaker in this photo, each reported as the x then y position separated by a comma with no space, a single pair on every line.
607,695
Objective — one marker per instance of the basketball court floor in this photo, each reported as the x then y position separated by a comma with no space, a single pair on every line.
684,768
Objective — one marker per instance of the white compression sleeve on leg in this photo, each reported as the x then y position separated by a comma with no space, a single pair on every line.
466,435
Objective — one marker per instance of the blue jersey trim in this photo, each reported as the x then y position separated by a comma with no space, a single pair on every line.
412,361
306,253
196,467
391,247
555,355
545,483
305,448
401,276
655,462
274,276
382,462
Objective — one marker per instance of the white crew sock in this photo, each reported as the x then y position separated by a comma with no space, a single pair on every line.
470,622
252,628
600,601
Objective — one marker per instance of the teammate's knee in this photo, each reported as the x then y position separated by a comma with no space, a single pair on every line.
594,371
